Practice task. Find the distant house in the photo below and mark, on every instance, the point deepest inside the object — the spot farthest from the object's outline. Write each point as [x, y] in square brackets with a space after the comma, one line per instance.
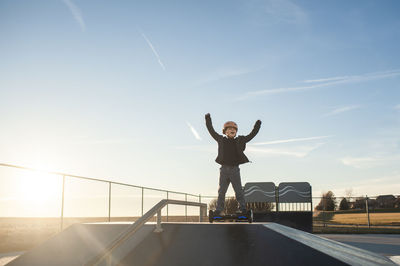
[397, 202]
[386, 201]
[361, 204]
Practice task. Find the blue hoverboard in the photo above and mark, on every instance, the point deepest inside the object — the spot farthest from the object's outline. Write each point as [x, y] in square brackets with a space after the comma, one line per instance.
[248, 217]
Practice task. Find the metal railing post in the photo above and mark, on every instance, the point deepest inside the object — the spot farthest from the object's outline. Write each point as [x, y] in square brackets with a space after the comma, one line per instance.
[277, 198]
[158, 226]
[142, 199]
[109, 201]
[132, 229]
[62, 204]
[201, 211]
[110, 183]
[185, 208]
[367, 208]
[167, 205]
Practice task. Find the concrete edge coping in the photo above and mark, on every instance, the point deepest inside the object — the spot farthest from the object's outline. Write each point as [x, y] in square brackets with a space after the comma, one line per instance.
[395, 259]
[6, 258]
[343, 252]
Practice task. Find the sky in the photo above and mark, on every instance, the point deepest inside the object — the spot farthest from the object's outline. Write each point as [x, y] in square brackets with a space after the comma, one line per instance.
[118, 90]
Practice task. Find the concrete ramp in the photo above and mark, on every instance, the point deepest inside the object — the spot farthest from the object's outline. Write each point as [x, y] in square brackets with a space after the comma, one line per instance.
[244, 244]
[223, 244]
[79, 243]
[198, 244]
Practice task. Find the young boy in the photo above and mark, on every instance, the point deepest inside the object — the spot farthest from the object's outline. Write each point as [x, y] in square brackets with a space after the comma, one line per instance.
[230, 156]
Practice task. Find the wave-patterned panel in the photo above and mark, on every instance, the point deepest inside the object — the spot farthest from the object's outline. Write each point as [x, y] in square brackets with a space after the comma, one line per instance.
[253, 189]
[290, 193]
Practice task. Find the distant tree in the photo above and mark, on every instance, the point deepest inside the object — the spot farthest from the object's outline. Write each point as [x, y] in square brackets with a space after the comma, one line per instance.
[260, 207]
[343, 205]
[327, 203]
[349, 194]
[231, 205]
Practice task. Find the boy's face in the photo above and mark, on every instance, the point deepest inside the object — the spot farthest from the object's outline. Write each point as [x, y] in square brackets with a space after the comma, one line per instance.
[230, 132]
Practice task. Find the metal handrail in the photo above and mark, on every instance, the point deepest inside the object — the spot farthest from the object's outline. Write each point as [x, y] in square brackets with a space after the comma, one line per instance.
[92, 179]
[106, 253]
[110, 183]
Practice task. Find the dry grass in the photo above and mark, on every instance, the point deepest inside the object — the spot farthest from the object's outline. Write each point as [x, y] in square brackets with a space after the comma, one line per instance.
[353, 223]
[20, 234]
[361, 218]
[385, 218]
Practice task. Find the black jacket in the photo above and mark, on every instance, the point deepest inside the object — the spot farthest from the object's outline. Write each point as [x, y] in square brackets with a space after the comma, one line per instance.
[240, 141]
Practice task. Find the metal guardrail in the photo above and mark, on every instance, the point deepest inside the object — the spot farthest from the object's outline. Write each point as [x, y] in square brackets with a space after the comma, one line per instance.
[106, 254]
[333, 210]
[110, 183]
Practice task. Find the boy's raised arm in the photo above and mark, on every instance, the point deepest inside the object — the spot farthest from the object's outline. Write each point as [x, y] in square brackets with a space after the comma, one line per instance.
[254, 132]
[210, 128]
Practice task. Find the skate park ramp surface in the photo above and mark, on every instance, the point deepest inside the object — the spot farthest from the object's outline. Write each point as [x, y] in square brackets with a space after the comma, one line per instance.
[199, 244]
[244, 244]
[79, 243]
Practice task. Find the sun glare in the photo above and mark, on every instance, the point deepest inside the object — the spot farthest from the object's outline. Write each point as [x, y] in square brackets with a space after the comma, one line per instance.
[39, 188]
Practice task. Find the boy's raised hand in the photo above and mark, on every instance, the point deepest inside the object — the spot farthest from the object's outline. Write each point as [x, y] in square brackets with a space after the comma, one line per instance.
[208, 115]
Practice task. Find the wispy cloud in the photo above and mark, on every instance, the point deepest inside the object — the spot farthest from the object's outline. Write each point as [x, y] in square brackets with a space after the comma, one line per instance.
[325, 79]
[225, 73]
[342, 110]
[289, 140]
[285, 11]
[272, 12]
[297, 151]
[327, 82]
[387, 184]
[154, 50]
[76, 12]
[369, 161]
[397, 107]
[195, 133]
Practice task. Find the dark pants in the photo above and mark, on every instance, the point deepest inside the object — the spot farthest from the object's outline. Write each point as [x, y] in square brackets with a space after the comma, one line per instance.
[230, 174]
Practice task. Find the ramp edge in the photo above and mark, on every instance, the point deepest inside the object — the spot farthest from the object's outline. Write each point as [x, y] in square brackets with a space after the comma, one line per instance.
[345, 253]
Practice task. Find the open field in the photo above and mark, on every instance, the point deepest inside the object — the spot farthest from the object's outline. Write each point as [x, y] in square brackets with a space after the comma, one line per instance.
[390, 218]
[375, 218]
[20, 234]
[356, 223]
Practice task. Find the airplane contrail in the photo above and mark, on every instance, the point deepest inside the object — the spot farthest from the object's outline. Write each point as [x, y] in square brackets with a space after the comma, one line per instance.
[76, 12]
[195, 133]
[154, 51]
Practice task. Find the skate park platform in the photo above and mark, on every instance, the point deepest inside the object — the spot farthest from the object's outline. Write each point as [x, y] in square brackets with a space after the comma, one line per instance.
[197, 244]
